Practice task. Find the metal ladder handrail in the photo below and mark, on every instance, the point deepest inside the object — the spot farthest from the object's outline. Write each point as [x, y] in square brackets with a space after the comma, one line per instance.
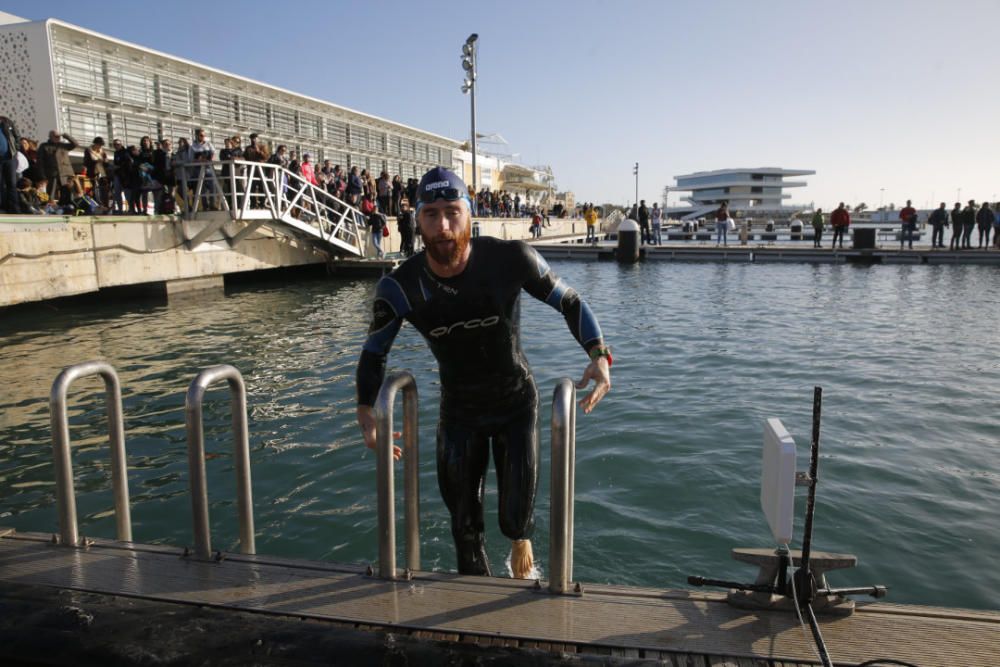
[196, 458]
[563, 486]
[65, 494]
[384, 404]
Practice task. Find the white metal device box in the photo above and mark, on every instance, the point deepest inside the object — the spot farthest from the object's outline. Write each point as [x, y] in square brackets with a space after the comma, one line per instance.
[777, 480]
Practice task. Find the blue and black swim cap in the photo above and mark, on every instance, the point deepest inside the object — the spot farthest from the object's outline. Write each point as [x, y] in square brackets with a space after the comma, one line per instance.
[441, 183]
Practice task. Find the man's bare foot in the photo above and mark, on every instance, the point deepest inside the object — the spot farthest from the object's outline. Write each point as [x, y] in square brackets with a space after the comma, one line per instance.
[522, 560]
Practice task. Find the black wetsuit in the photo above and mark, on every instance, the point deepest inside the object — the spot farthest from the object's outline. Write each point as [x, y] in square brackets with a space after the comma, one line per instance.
[471, 323]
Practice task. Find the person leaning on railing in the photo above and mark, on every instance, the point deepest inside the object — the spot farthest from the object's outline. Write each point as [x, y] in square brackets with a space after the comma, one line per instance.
[183, 158]
[95, 161]
[163, 173]
[255, 152]
[56, 166]
[203, 151]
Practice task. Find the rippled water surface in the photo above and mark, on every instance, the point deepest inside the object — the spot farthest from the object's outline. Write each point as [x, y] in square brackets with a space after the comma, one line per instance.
[668, 465]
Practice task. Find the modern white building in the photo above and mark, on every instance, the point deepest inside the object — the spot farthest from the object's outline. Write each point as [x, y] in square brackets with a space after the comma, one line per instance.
[54, 75]
[57, 76]
[751, 193]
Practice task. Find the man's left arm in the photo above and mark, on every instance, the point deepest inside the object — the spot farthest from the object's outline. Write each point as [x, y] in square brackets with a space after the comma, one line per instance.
[543, 284]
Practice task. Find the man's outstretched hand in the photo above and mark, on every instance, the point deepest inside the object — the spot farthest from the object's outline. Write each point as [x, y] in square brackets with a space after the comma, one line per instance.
[366, 421]
[599, 372]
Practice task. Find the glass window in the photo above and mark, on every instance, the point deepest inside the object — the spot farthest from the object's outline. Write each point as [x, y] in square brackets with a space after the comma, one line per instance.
[129, 85]
[359, 137]
[136, 127]
[219, 106]
[408, 149]
[85, 124]
[79, 74]
[174, 95]
[282, 120]
[336, 132]
[253, 113]
[309, 125]
[174, 130]
[335, 156]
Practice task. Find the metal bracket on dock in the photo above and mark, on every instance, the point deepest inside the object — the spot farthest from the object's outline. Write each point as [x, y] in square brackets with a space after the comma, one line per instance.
[196, 458]
[395, 382]
[65, 494]
[769, 574]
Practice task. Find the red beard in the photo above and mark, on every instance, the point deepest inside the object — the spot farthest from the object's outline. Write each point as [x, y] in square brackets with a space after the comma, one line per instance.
[448, 248]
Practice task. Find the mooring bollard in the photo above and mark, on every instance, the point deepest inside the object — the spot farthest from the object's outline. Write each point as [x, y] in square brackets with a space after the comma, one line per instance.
[628, 242]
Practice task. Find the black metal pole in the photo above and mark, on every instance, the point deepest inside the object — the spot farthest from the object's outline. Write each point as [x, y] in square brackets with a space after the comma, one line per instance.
[824, 657]
[813, 478]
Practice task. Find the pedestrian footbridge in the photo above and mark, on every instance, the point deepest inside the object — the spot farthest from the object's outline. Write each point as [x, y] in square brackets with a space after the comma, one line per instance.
[266, 195]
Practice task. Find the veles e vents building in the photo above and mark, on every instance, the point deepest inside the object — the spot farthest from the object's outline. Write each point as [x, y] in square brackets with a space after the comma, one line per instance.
[54, 75]
[750, 192]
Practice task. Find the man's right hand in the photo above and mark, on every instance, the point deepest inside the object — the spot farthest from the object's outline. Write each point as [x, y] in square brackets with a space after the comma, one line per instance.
[366, 422]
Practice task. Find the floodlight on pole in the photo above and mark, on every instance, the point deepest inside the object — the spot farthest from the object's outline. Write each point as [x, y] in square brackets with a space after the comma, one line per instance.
[469, 86]
[635, 172]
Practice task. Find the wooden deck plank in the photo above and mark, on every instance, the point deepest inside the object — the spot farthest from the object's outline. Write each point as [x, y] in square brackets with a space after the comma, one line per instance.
[477, 608]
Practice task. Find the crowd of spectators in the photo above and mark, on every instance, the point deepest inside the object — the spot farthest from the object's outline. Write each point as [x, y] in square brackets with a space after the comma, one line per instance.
[120, 179]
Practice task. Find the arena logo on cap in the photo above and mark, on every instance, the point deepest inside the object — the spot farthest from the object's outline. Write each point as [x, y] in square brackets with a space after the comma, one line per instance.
[436, 185]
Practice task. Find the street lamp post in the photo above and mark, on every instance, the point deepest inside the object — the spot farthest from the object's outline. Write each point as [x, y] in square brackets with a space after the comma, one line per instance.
[635, 172]
[469, 86]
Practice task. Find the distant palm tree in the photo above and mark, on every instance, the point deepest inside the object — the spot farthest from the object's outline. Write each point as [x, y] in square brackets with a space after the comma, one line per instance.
[860, 208]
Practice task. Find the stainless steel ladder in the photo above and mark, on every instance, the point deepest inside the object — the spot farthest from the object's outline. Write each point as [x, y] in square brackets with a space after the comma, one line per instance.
[65, 492]
[562, 486]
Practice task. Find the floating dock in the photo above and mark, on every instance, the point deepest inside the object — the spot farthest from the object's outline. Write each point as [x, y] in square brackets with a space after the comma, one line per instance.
[124, 603]
[688, 251]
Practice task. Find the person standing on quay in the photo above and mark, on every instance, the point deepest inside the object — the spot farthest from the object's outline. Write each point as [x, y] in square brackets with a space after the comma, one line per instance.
[996, 225]
[9, 142]
[938, 220]
[376, 224]
[968, 223]
[817, 223]
[590, 215]
[722, 223]
[463, 295]
[644, 223]
[406, 227]
[908, 218]
[956, 227]
[985, 220]
[657, 217]
[53, 156]
[840, 220]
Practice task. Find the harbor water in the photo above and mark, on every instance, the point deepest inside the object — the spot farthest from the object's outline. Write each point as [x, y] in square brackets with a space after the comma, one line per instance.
[668, 465]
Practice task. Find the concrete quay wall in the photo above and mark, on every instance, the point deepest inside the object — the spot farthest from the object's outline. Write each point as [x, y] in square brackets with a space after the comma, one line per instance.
[53, 257]
[70, 256]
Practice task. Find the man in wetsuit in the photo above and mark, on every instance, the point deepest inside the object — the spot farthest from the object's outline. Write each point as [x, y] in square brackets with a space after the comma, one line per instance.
[462, 295]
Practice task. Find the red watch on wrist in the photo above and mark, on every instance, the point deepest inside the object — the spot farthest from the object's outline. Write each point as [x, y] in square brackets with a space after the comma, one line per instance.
[599, 351]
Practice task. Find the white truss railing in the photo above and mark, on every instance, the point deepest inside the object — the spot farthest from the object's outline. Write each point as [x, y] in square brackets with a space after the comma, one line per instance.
[260, 193]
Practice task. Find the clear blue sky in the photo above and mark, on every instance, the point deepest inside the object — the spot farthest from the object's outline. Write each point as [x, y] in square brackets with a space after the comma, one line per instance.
[901, 95]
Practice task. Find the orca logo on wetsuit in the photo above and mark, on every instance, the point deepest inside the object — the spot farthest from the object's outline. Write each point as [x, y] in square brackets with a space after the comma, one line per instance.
[476, 323]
